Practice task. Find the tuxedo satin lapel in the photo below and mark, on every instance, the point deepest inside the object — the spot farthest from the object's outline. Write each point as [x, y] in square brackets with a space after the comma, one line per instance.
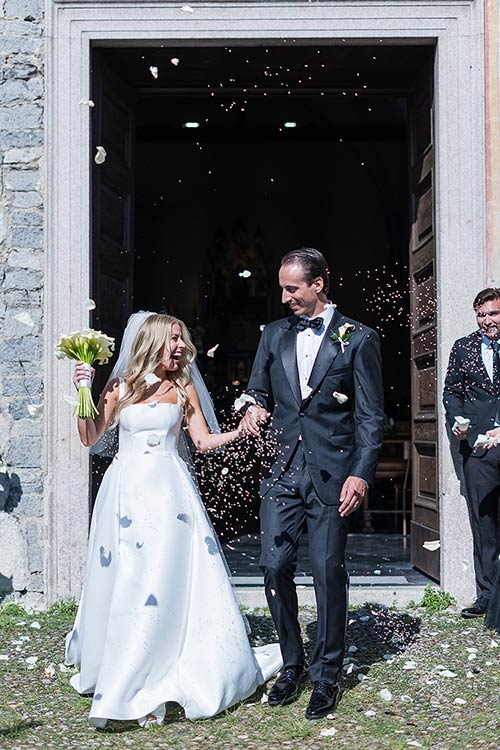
[328, 351]
[288, 347]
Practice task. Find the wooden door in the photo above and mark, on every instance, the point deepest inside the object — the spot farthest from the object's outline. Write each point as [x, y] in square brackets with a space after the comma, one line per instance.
[425, 510]
[112, 260]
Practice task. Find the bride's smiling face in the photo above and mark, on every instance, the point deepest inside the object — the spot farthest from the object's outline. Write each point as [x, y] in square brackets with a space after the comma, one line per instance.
[172, 352]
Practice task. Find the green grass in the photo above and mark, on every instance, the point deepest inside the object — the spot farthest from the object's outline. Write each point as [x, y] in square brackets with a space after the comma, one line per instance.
[41, 712]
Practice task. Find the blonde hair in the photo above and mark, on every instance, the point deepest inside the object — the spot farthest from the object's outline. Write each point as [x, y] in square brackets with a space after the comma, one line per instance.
[146, 355]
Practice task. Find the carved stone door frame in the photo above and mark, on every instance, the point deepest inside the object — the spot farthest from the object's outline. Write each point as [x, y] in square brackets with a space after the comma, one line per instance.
[72, 27]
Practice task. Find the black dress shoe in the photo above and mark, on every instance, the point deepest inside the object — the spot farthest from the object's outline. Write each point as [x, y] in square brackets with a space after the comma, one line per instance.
[478, 609]
[286, 688]
[324, 699]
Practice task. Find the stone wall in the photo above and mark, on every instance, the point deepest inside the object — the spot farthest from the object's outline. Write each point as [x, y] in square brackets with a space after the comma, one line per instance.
[21, 299]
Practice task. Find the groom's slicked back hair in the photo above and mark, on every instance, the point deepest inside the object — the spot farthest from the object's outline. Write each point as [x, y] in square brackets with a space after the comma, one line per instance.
[313, 263]
[486, 295]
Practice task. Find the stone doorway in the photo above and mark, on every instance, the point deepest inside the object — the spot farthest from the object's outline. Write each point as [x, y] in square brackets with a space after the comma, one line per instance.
[456, 31]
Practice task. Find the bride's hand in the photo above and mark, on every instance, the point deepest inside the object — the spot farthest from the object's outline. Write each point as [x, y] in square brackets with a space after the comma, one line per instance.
[82, 373]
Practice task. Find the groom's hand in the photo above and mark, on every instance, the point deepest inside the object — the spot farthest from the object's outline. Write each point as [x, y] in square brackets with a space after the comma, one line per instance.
[352, 495]
[254, 417]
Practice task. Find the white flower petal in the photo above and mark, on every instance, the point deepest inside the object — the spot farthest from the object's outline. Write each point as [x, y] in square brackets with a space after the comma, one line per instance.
[32, 660]
[414, 743]
[262, 328]
[4, 657]
[35, 410]
[71, 401]
[175, 61]
[240, 402]
[100, 156]
[24, 318]
[493, 644]
[432, 546]
[50, 671]
[406, 699]
[341, 397]
[187, 9]
[460, 701]
[151, 378]
[86, 102]
[447, 673]
[385, 694]
[153, 70]
[328, 732]
[410, 665]
[362, 677]
[35, 625]
[211, 352]
[352, 649]
[89, 304]
[370, 713]
[245, 274]
[264, 698]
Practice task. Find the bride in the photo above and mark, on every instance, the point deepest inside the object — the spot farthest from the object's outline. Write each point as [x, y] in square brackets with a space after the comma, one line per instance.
[158, 620]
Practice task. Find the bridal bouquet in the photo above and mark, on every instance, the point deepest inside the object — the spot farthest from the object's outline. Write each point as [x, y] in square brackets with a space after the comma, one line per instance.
[86, 346]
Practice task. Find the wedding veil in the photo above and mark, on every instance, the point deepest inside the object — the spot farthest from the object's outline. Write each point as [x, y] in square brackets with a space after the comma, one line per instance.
[107, 446]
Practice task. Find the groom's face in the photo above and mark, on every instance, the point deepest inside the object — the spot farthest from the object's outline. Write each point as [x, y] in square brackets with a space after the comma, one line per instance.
[488, 319]
[301, 297]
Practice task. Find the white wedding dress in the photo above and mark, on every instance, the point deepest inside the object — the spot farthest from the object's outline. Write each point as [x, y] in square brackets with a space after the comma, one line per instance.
[158, 620]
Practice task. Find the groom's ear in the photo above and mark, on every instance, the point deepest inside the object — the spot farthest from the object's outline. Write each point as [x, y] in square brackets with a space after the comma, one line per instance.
[318, 285]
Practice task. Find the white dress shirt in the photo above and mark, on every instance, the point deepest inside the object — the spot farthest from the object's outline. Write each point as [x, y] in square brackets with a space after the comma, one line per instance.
[487, 355]
[308, 344]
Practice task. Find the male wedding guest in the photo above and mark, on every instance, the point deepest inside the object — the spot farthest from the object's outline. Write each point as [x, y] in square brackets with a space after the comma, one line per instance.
[472, 402]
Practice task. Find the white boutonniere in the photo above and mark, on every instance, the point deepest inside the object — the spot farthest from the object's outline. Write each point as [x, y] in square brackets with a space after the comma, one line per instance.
[343, 335]
[341, 397]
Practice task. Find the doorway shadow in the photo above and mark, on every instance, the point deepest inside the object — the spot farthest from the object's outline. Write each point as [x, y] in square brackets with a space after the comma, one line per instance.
[373, 632]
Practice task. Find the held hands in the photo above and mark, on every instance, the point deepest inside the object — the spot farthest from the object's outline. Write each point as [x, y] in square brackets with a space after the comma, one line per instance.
[352, 495]
[254, 417]
[82, 373]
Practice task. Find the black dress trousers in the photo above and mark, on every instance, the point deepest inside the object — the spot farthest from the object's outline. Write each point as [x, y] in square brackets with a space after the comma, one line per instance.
[291, 504]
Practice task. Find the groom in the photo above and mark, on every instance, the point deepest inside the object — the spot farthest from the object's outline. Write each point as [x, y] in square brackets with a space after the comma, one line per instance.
[317, 374]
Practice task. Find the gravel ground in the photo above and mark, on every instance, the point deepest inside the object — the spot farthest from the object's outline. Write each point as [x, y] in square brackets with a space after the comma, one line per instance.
[411, 679]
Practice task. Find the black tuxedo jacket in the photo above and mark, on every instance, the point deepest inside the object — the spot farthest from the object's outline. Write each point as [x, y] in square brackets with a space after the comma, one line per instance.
[339, 440]
[469, 392]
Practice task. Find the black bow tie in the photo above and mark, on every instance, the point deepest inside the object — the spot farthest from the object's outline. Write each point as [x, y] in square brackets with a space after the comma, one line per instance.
[303, 323]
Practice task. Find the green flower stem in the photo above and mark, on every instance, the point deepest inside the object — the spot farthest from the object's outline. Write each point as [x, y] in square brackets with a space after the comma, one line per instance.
[86, 408]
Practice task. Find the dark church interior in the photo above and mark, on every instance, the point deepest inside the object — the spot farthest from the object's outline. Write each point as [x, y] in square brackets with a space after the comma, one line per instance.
[242, 154]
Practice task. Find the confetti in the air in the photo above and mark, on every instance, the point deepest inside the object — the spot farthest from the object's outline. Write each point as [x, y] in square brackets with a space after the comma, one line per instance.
[211, 352]
[86, 102]
[35, 410]
[89, 304]
[100, 156]
[153, 70]
[24, 318]
[151, 378]
[187, 9]
[245, 274]
[432, 546]
[175, 61]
